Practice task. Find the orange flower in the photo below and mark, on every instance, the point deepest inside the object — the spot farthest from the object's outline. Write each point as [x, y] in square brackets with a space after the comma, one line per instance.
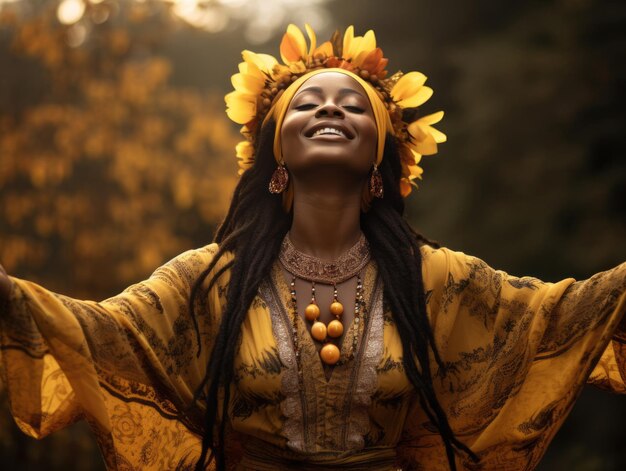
[375, 63]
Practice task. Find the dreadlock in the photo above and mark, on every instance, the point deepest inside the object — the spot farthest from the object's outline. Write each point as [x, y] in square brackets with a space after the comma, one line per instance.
[253, 231]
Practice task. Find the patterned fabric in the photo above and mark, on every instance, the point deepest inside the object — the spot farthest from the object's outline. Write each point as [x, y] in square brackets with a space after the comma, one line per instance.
[516, 351]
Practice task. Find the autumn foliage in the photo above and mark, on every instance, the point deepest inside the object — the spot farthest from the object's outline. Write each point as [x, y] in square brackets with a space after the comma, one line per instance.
[111, 170]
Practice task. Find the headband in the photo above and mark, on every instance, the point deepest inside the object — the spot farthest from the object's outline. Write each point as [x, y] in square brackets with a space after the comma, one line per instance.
[264, 88]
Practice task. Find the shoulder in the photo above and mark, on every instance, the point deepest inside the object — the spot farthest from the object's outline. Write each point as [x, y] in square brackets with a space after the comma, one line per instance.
[438, 264]
[201, 255]
[191, 263]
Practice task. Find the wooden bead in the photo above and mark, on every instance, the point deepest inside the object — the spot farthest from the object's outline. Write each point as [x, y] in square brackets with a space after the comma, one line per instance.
[311, 312]
[330, 354]
[335, 328]
[318, 331]
[336, 308]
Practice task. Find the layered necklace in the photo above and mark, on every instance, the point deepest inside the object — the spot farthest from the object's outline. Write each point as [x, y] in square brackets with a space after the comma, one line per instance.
[315, 270]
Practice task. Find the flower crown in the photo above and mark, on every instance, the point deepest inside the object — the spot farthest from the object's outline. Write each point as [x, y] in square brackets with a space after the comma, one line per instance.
[261, 81]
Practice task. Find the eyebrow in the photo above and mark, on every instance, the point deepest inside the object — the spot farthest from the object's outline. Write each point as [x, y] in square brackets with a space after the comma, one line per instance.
[343, 91]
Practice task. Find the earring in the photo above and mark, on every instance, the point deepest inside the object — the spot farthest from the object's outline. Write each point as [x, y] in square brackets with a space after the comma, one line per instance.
[280, 179]
[376, 183]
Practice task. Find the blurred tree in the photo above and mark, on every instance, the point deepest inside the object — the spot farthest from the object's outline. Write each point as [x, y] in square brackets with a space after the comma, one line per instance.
[107, 170]
[111, 167]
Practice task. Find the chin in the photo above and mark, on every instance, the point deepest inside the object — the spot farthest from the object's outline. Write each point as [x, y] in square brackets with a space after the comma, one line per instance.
[334, 160]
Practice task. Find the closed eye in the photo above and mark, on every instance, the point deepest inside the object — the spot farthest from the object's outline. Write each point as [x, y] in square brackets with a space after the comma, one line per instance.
[354, 109]
[305, 106]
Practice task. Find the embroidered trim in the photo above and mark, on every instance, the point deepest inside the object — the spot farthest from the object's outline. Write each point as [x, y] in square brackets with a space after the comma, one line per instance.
[321, 271]
[294, 404]
[359, 397]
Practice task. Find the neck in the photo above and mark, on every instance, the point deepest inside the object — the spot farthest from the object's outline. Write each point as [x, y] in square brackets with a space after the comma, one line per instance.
[325, 225]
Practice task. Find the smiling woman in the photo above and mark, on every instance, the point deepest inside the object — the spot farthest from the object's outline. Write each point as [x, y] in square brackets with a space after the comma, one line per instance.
[319, 330]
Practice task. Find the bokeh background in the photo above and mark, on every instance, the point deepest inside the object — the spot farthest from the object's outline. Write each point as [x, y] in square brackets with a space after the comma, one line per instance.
[116, 155]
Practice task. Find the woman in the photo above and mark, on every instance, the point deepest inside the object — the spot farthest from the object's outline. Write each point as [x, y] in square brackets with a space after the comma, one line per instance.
[319, 331]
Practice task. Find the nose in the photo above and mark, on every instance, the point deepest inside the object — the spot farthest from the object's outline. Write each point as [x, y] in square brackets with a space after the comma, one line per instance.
[329, 109]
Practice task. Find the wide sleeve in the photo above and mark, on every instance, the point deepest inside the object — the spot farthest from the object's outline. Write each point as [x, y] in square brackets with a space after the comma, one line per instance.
[516, 354]
[127, 365]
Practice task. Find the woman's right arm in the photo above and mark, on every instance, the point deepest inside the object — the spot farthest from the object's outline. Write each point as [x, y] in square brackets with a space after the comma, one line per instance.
[65, 359]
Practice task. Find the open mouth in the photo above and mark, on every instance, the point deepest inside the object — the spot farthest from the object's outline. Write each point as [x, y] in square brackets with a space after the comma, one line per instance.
[329, 131]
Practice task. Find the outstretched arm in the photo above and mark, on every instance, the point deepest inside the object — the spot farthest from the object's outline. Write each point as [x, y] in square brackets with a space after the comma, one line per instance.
[516, 352]
[65, 359]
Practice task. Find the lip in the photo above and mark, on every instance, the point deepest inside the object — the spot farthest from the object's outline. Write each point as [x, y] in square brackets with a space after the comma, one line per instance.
[329, 124]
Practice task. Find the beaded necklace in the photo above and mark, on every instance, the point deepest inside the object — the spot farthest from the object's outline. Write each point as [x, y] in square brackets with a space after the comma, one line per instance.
[312, 269]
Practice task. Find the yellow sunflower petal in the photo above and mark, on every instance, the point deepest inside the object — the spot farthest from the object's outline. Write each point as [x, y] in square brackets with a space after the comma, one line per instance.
[407, 87]
[247, 83]
[355, 45]
[431, 118]
[418, 98]
[438, 135]
[416, 156]
[360, 47]
[416, 172]
[312, 38]
[369, 41]
[240, 107]
[348, 36]
[417, 131]
[264, 62]
[293, 45]
[428, 146]
[325, 50]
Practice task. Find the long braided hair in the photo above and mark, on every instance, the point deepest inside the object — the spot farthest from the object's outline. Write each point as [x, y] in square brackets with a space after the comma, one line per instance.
[253, 231]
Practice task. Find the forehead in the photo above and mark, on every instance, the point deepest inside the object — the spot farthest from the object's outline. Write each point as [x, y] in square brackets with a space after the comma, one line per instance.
[331, 82]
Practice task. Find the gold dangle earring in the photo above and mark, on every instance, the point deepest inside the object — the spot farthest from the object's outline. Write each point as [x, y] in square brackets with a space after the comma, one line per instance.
[280, 179]
[376, 183]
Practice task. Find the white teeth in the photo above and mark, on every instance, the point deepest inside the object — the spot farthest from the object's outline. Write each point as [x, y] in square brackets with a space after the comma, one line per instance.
[328, 131]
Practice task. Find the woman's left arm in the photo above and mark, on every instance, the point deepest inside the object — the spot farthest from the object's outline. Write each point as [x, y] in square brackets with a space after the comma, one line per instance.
[591, 301]
[516, 352]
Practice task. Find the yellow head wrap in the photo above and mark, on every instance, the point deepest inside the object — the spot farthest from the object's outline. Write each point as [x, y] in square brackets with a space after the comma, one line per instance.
[381, 115]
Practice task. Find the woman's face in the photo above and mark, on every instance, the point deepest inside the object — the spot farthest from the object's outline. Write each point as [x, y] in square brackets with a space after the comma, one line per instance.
[329, 124]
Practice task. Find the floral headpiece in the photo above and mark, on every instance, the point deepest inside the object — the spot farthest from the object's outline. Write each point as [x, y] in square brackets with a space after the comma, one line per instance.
[262, 80]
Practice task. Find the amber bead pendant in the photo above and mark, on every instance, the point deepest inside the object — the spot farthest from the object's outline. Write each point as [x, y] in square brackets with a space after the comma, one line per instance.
[330, 353]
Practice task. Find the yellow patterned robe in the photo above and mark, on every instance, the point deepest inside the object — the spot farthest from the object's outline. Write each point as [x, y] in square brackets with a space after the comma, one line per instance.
[517, 352]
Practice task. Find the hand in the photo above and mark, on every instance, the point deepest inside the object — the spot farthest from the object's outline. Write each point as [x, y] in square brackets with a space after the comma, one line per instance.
[5, 285]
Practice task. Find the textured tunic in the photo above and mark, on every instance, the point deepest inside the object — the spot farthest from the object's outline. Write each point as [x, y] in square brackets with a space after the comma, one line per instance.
[516, 351]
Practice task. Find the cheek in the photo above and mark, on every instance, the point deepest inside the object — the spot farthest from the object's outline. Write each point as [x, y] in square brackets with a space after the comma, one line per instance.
[289, 137]
[370, 137]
